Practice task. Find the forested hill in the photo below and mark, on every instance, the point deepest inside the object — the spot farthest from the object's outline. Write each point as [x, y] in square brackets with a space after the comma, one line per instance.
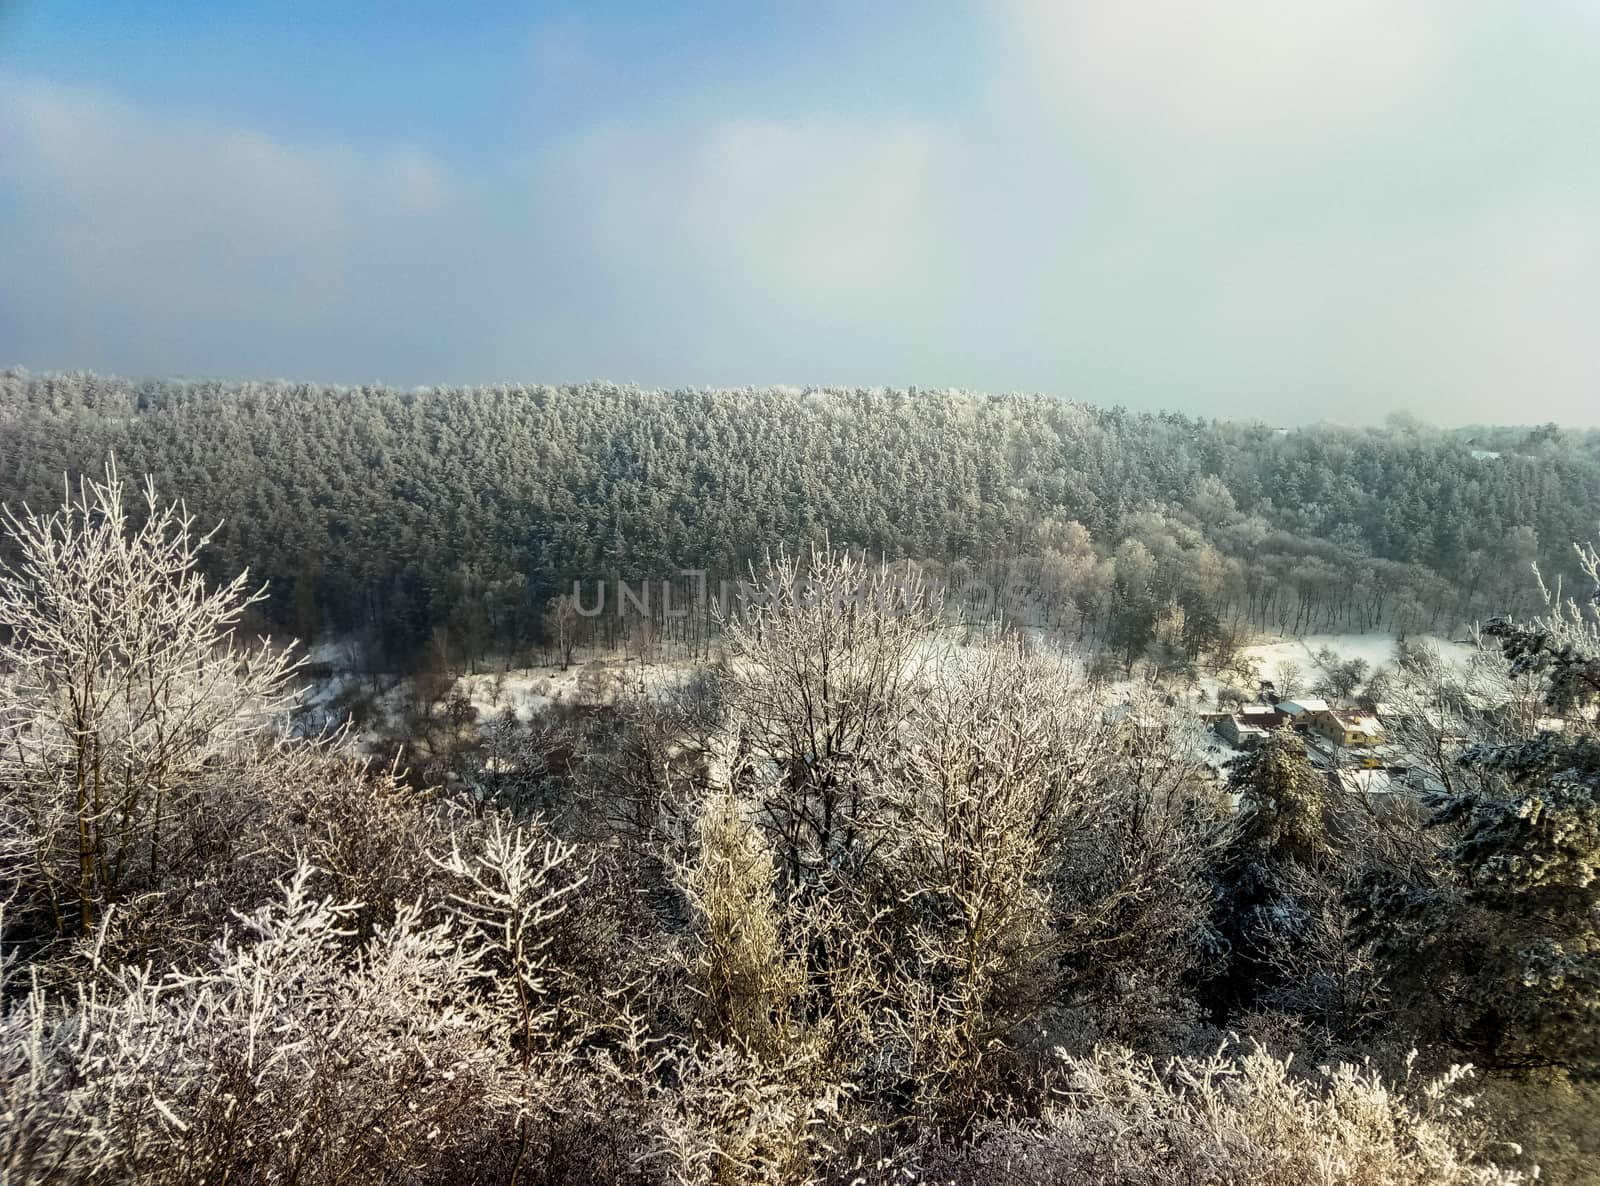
[395, 513]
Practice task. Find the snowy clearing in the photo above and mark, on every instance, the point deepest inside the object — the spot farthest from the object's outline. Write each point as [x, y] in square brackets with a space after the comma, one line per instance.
[1376, 649]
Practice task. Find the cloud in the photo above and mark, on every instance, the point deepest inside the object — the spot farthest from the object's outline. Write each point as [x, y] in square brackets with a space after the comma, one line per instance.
[818, 206]
[1298, 211]
[738, 250]
[169, 226]
[1228, 70]
[1280, 210]
[411, 179]
[623, 249]
[807, 206]
[1489, 317]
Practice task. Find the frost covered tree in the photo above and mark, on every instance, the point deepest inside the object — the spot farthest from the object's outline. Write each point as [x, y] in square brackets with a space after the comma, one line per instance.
[743, 973]
[1504, 931]
[1131, 884]
[509, 884]
[280, 1059]
[1562, 644]
[561, 622]
[1285, 836]
[997, 766]
[1284, 803]
[998, 844]
[123, 698]
[824, 664]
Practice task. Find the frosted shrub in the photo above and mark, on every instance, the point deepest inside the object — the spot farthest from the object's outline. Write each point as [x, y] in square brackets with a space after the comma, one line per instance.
[510, 884]
[289, 1058]
[1238, 1118]
[734, 1120]
[739, 970]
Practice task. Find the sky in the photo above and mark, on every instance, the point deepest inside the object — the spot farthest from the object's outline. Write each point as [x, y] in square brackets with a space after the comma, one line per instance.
[1262, 209]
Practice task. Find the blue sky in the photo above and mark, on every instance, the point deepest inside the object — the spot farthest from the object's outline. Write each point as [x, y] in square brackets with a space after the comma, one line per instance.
[1232, 208]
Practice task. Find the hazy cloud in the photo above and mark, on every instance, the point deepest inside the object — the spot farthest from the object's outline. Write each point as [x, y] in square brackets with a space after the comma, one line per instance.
[1228, 70]
[1242, 208]
[155, 233]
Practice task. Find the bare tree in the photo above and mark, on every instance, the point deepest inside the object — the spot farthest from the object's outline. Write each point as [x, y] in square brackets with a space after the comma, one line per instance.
[823, 669]
[998, 765]
[561, 621]
[122, 689]
[1327, 969]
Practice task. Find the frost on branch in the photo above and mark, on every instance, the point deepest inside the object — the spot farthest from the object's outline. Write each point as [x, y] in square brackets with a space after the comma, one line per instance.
[824, 666]
[1240, 1117]
[508, 888]
[285, 1058]
[123, 694]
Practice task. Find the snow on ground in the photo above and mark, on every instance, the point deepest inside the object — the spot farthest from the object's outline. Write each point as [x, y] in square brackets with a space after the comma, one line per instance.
[334, 653]
[1376, 649]
[531, 690]
[527, 691]
[1264, 658]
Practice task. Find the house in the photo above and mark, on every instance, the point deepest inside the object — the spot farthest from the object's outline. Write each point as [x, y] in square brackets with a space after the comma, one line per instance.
[1335, 755]
[1345, 726]
[1249, 726]
[1266, 716]
[1237, 730]
[1297, 708]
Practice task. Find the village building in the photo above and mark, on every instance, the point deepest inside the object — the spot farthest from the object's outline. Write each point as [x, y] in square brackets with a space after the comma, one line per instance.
[1346, 726]
[1263, 716]
[1250, 726]
[1239, 732]
[1297, 709]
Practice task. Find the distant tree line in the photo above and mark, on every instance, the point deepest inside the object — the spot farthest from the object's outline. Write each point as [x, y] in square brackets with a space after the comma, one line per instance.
[448, 521]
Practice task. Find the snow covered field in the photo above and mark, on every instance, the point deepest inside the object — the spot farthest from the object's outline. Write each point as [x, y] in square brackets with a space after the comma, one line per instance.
[1376, 649]
[1264, 659]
